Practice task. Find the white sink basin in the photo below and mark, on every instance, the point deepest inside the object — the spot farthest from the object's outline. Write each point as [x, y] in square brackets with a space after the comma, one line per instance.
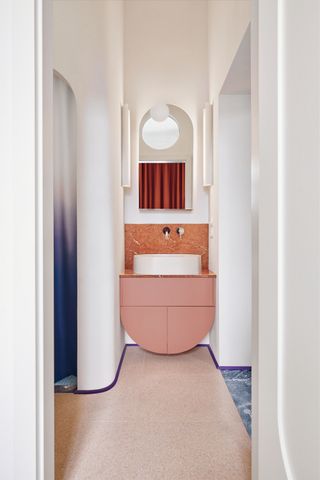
[167, 264]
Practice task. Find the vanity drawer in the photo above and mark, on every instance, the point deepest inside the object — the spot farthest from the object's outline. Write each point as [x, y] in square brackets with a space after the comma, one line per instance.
[176, 291]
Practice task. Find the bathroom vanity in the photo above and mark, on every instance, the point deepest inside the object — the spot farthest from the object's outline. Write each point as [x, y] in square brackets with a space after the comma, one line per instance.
[167, 314]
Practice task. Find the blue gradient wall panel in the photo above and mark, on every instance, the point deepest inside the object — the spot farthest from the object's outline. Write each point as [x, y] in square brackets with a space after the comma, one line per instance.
[65, 230]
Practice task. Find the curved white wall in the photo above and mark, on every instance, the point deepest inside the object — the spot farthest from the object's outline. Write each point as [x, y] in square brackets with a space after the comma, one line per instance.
[88, 53]
[299, 237]
[286, 93]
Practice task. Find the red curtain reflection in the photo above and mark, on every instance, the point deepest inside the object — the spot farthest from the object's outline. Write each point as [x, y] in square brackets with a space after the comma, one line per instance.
[162, 185]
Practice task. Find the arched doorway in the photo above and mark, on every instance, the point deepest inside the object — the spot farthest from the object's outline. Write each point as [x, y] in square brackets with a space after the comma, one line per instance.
[65, 234]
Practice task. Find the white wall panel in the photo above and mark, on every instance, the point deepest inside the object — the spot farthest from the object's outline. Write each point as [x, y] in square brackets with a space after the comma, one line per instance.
[234, 274]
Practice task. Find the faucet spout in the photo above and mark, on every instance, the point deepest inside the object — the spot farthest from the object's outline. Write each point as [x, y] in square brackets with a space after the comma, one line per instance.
[166, 232]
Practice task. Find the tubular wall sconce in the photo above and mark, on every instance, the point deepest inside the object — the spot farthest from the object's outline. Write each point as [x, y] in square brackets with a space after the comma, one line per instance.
[208, 145]
[126, 148]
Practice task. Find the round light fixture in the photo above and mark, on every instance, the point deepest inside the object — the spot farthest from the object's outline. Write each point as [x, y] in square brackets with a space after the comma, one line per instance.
[159, 112]
[160, 135]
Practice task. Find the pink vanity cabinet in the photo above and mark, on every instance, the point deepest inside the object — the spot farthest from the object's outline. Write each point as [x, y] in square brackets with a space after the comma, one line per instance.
[167, 314]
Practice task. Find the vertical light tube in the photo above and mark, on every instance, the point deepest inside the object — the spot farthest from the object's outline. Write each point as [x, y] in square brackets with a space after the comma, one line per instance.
[126, 148]
[207, 145]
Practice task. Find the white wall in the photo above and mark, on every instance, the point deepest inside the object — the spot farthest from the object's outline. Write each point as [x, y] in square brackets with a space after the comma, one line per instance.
[286, 94]
[7, 251]
[165, 60]
[88, 52]
[299, 237]
[227, 24]
[234, 233]
[26, 293]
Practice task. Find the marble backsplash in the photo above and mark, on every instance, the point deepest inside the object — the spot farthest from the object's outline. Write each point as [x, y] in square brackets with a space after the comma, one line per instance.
[148, 238]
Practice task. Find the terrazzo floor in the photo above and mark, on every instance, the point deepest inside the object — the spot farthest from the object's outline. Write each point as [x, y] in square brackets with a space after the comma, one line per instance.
[168, 418]
[237, 381]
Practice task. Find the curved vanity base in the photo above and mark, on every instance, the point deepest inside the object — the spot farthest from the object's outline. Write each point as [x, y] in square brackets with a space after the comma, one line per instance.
[167, 330]
[167, 315]
[187, 326]
[146, 326]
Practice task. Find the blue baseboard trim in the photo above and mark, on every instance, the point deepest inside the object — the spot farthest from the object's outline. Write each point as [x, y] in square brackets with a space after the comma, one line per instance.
[210, 352]
[127, 345]
[105, 389]
[220, 367]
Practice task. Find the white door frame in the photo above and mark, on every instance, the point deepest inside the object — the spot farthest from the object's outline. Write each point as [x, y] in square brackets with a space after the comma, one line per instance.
[27, 240]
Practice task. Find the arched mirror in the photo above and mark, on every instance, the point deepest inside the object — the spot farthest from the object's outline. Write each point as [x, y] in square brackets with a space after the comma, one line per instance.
[165, 159]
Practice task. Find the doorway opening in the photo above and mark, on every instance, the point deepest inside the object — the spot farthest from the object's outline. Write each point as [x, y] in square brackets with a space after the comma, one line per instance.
[235, 230]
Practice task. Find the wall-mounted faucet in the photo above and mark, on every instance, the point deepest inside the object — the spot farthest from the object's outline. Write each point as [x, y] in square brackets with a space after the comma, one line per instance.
[166, 232]
[180, 232]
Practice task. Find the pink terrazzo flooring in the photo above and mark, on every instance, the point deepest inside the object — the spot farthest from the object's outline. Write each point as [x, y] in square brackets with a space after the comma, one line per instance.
[167, 418]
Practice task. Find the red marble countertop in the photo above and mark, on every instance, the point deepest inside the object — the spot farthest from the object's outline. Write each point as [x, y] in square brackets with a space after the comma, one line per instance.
[130, 274]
